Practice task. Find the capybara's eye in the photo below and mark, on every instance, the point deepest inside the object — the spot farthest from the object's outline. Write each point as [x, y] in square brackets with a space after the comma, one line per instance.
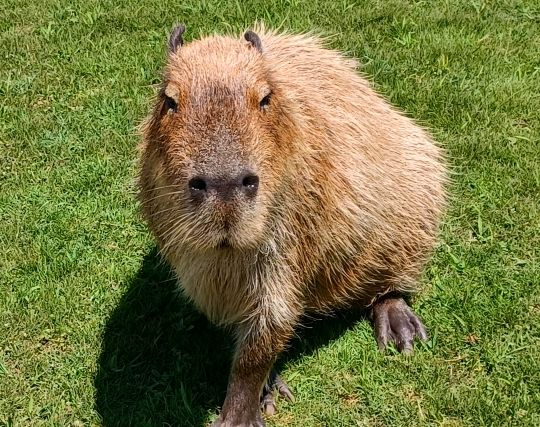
[265, 102]
[170, 104]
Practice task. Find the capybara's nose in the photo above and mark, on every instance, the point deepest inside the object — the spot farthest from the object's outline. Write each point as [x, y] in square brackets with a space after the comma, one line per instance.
[246, 184]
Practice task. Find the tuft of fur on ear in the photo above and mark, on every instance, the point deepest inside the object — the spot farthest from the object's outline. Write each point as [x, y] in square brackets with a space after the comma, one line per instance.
[254, 39]
[175, 39]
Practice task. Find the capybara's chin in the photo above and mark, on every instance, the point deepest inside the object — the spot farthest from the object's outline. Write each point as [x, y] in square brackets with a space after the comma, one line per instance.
[217, 226]
[235, 236]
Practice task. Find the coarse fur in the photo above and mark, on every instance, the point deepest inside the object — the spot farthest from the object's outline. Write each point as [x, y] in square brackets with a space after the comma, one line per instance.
[350, 197]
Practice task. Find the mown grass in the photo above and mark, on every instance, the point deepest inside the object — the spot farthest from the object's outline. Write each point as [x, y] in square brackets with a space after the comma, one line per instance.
[90, 330]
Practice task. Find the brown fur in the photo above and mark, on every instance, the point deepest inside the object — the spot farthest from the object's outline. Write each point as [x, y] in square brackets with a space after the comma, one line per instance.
[350, 197]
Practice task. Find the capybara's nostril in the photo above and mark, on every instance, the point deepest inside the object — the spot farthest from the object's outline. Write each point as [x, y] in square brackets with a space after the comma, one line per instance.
[250, 182]
[197, 184]
[226, 187]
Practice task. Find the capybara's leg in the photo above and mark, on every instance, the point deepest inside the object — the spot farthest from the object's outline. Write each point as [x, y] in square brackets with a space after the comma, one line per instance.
[274, 383]
[394, 321]
[258, 345]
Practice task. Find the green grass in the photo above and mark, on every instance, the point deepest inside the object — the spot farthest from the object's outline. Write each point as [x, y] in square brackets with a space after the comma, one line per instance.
[90, 330]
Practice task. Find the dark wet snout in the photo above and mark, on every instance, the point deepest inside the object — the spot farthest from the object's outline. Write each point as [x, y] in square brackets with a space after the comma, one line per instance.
[244, 185]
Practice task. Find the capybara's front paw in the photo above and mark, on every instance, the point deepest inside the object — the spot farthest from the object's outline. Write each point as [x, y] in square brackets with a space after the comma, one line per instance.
[274, 384]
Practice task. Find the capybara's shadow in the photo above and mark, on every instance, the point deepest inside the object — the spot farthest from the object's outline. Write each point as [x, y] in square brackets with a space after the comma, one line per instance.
[162, 363]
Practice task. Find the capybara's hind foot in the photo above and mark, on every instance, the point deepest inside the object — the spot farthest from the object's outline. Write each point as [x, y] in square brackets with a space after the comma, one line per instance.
[394, 321]
[273, 384]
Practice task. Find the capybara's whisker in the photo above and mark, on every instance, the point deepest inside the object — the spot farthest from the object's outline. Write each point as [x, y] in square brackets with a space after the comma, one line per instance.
[172, 193]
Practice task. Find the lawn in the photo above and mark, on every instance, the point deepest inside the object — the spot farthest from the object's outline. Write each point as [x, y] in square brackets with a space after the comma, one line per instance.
[92, 331]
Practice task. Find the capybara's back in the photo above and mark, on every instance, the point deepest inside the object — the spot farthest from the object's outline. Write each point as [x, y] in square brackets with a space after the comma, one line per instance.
[367, 195]
[277, 182]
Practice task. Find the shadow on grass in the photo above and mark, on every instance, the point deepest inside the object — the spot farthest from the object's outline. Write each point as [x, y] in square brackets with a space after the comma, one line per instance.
[162, 363]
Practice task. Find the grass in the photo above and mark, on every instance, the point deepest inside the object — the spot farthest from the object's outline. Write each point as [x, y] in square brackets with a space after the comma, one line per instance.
[90, 330]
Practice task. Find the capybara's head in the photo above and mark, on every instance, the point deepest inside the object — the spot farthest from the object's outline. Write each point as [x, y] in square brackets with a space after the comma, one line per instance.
[219, 133]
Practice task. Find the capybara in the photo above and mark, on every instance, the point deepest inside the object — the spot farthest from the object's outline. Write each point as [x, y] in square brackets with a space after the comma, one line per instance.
[277, 183]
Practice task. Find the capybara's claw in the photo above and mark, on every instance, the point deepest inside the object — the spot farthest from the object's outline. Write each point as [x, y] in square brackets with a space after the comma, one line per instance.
[394, 321]
[273, 384]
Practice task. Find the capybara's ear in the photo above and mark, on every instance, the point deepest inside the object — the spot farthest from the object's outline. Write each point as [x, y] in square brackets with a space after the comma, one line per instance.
[254, 39]
[175, 39]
